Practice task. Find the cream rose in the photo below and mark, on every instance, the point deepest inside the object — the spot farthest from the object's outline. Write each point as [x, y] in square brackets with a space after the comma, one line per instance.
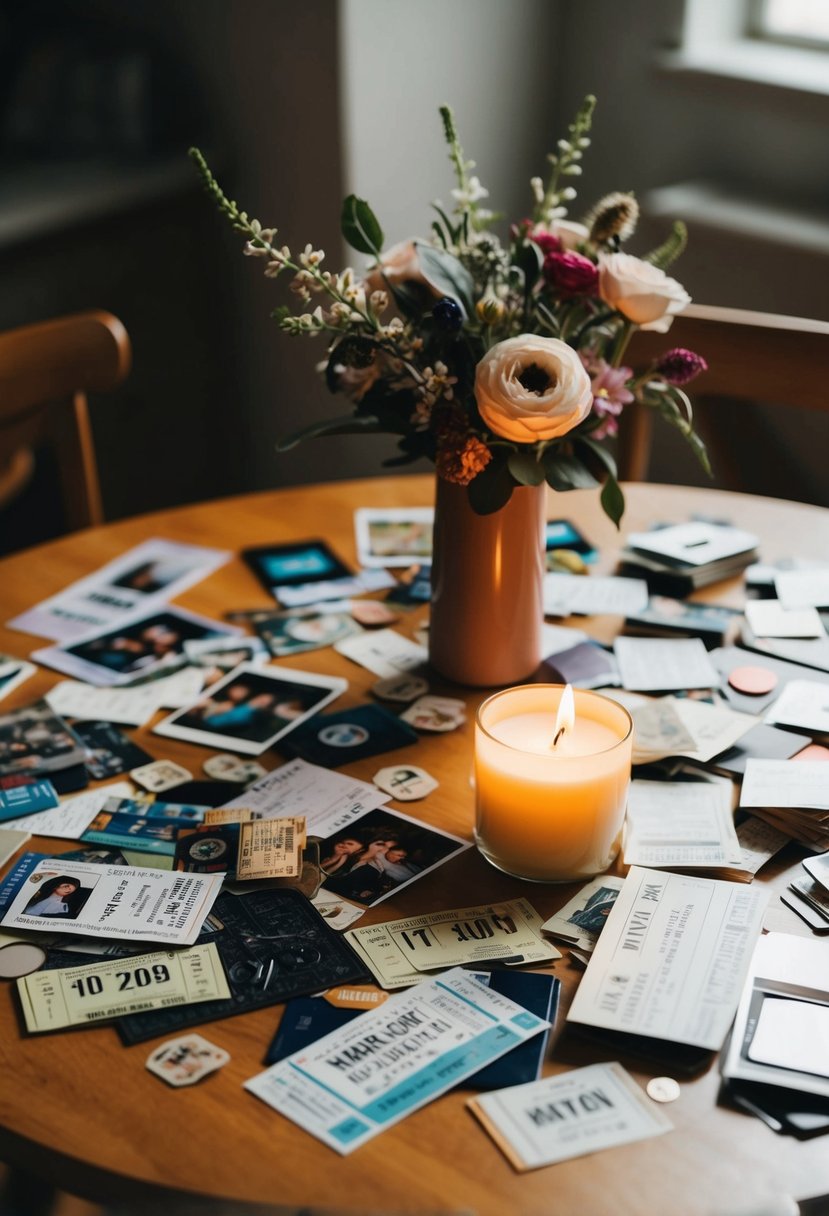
[532, 387]
[641, 292]
[398, 265]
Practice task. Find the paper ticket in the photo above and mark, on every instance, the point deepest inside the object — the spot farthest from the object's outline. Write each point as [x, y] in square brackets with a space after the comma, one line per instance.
[227, 814]
[270, 848]
[398, 951]
[75, 996]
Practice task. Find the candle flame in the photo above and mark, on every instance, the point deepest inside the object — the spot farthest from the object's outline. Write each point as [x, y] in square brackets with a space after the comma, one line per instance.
[566, 716]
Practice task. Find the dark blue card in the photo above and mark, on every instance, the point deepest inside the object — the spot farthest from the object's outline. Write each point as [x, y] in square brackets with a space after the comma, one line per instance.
[27, 799]
[349, 734]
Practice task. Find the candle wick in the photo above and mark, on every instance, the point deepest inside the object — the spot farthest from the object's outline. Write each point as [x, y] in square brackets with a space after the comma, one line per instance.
[559, 733]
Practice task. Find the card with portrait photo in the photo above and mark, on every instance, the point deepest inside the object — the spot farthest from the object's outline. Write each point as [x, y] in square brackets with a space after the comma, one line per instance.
[252, 707]
[141, 646]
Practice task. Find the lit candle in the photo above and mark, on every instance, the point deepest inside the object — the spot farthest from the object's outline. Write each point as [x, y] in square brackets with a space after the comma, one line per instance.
[552, 771]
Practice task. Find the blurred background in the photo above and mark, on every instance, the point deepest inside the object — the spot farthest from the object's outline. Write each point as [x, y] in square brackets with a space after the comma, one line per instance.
[713, 111]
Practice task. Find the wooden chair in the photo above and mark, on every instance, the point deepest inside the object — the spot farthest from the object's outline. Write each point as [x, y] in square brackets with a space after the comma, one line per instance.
[752, 357]
[45, 373]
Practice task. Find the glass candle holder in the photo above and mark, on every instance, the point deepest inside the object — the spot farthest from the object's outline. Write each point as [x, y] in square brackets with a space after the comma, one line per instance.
[545, 812]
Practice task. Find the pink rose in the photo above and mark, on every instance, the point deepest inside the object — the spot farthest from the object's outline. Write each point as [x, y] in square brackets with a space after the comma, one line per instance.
[639, 291]
[532, 387]
[571, 273]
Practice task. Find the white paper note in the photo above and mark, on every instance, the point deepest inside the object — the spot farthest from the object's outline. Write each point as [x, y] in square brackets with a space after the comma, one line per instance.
[126, 706]
[383, 651]
[671, 959]
[578, 1112]
[71, 819]
[803, 703]
[769, 619]
[693, 544]
[803, 588]
[779, 783]
[592, 595]
[680, 824]
[328, 800]
[647, 664]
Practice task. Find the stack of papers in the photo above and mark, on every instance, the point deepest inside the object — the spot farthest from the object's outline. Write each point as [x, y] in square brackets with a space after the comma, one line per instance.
[791, 795]
[681, 825]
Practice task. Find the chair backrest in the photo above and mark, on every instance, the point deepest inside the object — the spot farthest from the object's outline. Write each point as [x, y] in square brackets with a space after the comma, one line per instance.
[45, 372]
[752, 357]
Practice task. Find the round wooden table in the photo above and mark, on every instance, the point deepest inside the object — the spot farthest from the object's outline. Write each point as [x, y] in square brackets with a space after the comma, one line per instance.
[80, 1109]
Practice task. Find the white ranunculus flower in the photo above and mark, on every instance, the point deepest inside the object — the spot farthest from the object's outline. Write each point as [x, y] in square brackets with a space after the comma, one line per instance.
[639, 291]
[532, 387]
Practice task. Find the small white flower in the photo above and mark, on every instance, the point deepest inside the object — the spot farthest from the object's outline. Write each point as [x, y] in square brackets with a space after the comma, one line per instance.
[471, 194]
[255, 251]
[379, 301]
[537, 186]
[310, 258]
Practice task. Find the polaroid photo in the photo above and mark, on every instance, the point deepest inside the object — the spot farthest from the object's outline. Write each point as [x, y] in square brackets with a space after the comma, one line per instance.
[141, 646]
[252, 707]
[13, 672]
[297, 564]
[394, 536]
[311, 628]
[34, 740]
[148, 575]
[380, 853]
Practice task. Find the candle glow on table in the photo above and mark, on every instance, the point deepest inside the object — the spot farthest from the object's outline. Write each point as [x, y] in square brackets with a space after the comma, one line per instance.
[551, 812]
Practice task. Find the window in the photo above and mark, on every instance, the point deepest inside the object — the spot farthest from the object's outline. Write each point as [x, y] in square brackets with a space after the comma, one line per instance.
[803, 22]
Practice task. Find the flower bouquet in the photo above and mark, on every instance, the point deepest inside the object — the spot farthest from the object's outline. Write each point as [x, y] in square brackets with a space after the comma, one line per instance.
[502, 361]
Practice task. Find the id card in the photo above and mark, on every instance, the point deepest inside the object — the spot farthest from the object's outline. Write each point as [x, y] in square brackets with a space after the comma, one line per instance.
[75, 996]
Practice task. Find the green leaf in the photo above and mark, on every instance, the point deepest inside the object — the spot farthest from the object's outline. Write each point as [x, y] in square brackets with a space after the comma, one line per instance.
[279, 314]
[360, 227]
[446, 274]
[567, 472]
[600, 453]
[613, 500]
[491, 489]
[525, 467]
[344, 425]
[670, 249]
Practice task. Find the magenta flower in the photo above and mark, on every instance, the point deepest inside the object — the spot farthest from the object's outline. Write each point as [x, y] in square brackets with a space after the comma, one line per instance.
[610, 394]
[546, 242]
[679, 366]
[572, 274]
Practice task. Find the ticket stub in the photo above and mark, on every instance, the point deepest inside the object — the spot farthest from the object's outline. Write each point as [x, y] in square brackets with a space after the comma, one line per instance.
[270, 848]
[76, 996]
[399, 951]
[226, 814]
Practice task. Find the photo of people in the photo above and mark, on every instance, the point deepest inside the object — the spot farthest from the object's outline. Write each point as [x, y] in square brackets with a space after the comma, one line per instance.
[252, 707]
[379, 853]
[135, 649]
[61, 897]
[35, 740]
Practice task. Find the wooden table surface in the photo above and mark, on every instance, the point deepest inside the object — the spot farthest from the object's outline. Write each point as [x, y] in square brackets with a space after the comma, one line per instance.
[81, 1109]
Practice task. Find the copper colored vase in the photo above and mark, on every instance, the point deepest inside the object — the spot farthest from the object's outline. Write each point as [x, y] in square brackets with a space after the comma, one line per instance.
[487, 587]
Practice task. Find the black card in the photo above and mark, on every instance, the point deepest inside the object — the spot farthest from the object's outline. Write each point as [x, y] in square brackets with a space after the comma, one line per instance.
[349, 734]
[304, 561]
[274, 945]
[108, 750]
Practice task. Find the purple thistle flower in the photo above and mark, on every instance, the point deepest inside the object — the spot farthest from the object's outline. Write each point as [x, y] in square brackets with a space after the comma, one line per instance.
[679, 366]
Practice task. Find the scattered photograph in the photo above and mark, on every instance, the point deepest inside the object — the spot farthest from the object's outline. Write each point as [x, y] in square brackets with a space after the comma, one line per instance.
[394, 536]
[380, 853]
[35, 740]
[143, 645]
[61, 896]
[301, 629]
[252, 707]
[143, 827]
[154, 571]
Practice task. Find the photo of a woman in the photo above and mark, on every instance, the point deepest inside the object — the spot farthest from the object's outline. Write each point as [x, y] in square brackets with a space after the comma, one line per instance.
[62, 896]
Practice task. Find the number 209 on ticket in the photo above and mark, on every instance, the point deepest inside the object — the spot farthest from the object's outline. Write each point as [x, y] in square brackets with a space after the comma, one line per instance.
[74, 996]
